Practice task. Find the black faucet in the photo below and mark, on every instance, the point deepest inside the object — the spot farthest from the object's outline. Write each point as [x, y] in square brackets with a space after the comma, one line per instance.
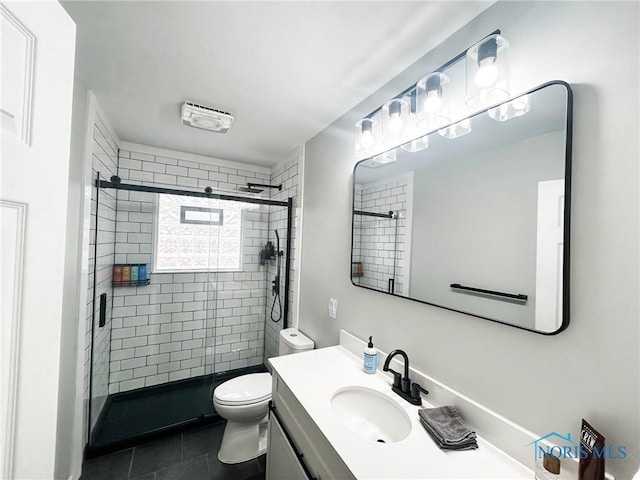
[402, 385]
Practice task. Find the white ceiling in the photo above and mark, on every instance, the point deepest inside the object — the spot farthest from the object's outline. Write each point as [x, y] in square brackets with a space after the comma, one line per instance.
[285, 69]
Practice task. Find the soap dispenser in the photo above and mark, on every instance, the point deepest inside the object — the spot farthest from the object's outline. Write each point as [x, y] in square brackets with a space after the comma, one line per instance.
[370, 358]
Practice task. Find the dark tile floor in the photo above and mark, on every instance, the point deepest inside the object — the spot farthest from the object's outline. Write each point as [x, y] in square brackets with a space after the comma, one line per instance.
[190, 455]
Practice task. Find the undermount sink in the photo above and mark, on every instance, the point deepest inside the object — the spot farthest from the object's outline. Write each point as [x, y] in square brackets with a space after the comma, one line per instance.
[371, 414]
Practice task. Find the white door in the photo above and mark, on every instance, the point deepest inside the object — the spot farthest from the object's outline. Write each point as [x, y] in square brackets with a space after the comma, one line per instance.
[38, 47]
[549, 255]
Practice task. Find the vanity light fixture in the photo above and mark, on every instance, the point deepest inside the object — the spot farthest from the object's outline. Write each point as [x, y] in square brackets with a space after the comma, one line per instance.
[394, 112]
[433, 98]
[386, 157]
[515, 108]
[394, 121]
[431, 104]
[457, 129]
[416, 145]
[366, 132]
[487, 72]
[432, 87]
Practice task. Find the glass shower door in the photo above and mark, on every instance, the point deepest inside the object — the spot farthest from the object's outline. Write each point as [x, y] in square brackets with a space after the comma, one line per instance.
[236, 303]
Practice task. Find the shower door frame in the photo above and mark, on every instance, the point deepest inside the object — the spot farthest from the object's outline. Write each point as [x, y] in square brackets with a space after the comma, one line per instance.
[173, 191]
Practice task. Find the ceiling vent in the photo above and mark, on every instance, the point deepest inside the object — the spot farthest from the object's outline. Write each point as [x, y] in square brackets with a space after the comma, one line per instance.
[206, 118]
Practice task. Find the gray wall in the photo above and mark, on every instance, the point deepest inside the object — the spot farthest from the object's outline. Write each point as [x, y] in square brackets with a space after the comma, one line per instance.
[476, 224]
[543, 383]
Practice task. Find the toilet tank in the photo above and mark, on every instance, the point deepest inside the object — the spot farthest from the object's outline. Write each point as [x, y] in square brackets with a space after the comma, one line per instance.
[293, 341]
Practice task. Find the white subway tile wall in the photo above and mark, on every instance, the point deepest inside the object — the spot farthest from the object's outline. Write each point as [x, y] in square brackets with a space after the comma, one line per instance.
[287, 173]
[380, 243]
[104, 161]
[184, 325]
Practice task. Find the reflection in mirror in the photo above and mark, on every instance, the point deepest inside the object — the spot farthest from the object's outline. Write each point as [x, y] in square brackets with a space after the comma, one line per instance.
[476, 223]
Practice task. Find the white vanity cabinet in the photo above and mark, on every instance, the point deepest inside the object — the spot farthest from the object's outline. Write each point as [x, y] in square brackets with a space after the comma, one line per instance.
[297, 448]
[312, 438]
[282, 460]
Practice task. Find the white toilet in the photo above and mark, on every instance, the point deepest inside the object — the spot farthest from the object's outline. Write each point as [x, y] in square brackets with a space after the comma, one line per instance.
[244, 402]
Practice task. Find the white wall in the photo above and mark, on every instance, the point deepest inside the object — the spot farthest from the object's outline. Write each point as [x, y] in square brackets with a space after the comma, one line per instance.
[288, 173]
[69, 446]
[490, 195]
[544, 383]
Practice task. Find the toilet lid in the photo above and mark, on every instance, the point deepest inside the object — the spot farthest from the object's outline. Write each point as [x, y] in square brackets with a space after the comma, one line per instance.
[243, 390]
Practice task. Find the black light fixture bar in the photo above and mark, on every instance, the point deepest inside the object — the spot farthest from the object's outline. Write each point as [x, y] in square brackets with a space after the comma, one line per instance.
[517, 297]
[188, 193]
[440, 69]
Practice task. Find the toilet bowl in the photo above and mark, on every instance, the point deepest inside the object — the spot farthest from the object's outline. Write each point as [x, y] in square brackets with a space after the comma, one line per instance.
[244, 402]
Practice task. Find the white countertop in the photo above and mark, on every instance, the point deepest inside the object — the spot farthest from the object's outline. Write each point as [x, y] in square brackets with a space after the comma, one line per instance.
[314, 376]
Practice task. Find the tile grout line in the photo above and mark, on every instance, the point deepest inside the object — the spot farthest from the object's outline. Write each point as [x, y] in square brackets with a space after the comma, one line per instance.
[133, 452]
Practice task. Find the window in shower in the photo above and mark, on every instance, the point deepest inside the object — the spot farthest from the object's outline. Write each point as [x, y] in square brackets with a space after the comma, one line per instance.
[201, 215]
[197, 234]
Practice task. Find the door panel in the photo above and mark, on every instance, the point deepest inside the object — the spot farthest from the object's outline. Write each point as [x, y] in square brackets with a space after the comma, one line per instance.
[38, 47]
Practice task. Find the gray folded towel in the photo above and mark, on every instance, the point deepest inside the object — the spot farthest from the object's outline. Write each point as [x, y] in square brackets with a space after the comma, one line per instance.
[447, 428]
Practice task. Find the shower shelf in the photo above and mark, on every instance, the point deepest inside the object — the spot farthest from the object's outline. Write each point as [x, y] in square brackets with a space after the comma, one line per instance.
[131, 284]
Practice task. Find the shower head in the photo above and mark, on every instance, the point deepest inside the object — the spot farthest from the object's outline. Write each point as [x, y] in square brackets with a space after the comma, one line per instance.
[257, 187]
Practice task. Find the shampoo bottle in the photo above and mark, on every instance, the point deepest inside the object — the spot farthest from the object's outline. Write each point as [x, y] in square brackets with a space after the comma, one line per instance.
[370, 358]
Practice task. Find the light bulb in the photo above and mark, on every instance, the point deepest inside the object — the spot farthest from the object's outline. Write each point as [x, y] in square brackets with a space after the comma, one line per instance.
[366, 134]
[487, 73]
[433, 102]
[395, 119]
[366, 140]
[395, 123]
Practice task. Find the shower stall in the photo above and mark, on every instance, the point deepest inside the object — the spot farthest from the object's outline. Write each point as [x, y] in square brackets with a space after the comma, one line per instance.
[381, 235]
[184, 282]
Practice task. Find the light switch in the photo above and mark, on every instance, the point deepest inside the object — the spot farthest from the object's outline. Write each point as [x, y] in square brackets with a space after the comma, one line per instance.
[333, 307]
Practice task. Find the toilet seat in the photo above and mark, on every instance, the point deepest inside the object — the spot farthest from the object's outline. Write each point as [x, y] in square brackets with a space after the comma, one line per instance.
[244, 390]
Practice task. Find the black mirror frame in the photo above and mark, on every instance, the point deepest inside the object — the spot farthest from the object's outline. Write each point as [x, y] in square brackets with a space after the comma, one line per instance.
[566, 226]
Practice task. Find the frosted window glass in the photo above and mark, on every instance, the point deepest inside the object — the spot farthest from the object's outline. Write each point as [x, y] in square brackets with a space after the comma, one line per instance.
[198, 234]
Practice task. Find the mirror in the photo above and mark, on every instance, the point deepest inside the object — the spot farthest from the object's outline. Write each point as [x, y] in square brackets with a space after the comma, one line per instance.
[479, 223]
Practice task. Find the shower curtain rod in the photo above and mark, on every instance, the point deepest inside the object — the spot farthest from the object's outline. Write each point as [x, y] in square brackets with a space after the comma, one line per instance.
[187, 193]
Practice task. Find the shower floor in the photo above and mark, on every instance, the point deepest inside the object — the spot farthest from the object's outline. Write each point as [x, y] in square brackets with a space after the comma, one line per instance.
[129, 418]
